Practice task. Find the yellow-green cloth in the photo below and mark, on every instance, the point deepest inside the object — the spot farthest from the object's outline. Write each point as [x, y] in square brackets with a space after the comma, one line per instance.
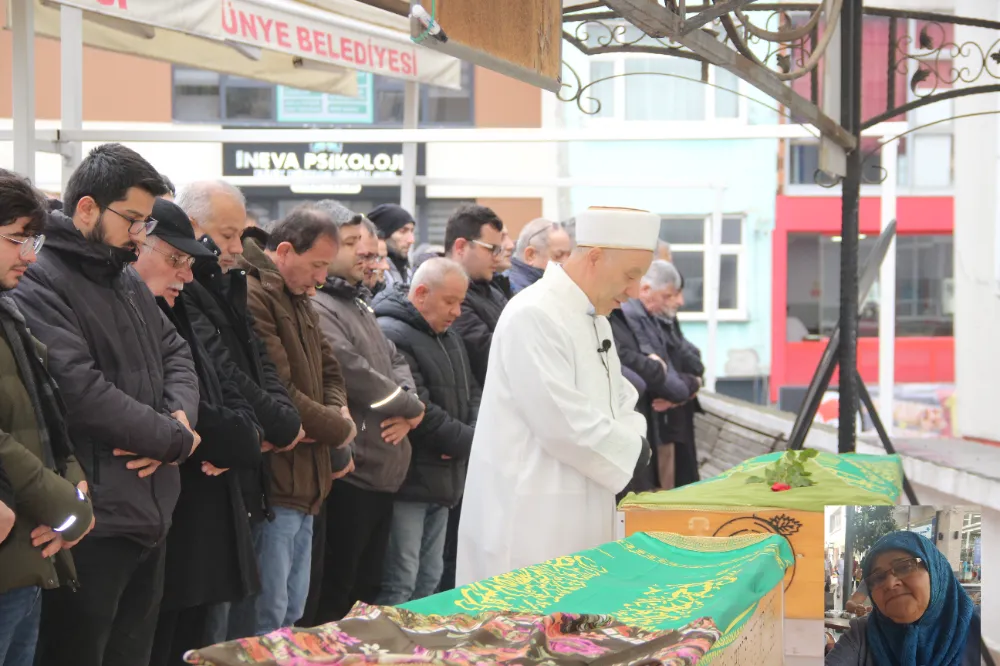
[849, 478]
[651, 581]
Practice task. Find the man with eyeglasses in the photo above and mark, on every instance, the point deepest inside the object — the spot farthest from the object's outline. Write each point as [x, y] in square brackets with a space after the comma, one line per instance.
[382, 398]
[474, 238]
[395, 226]
[45, 486]
[540, 242]
[217, 303]
[131, 390]
[210, 525]
[375, 279]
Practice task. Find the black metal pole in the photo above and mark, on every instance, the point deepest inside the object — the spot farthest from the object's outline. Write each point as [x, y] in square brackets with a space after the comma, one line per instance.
[850, 90]
[866, 399]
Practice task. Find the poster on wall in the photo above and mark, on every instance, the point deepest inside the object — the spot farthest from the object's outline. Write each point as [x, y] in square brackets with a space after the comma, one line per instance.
[919, 410]
[306, 106]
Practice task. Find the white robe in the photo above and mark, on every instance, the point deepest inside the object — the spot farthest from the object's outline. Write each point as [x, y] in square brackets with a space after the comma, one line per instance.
[557, 436]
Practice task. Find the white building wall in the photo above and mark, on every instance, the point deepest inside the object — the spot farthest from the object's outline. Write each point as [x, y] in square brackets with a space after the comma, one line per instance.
[977, 219]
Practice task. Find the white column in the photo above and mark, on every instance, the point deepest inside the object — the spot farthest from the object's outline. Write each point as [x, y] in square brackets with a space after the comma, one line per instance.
[22, 23]
[411, 117]
[71, 82]
[712, 285]
[887, 292]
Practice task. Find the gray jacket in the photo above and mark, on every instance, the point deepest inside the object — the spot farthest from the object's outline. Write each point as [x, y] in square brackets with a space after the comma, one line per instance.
[378, 379]
[122, 369]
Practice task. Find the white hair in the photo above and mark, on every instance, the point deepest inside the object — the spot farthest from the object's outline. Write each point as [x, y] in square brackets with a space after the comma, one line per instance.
[662, 274]
[535, 234]
[195, 198]
[432, 273]
[341, 214]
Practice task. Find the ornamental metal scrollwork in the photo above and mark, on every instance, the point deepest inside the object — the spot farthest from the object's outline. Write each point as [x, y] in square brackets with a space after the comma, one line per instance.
[934, 60]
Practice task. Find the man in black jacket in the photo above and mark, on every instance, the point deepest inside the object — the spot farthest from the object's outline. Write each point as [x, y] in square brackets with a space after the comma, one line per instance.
[130, 386]
[642, 348]
[216, 303]
[210, 521]
[473, 238]
[419, 324]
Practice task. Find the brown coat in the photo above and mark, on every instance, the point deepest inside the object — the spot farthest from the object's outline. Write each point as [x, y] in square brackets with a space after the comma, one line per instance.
[288, 325]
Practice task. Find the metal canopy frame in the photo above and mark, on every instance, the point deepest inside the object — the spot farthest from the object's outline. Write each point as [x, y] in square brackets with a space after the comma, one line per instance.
[770, 46]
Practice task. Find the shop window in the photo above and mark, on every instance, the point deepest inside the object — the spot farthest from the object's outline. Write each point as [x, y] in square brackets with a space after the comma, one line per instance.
[924, 284]
[201, 96]
[689, 238]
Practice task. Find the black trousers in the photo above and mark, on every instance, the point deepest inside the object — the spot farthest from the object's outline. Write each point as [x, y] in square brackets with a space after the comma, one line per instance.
[450, 549]
[357, 535]
[110, 620]
[317, 565]
[178, 631]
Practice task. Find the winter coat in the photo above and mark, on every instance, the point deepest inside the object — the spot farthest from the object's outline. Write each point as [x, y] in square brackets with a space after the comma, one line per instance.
[399, 271]
[288, 325]
[122, 370]
[210, 555]
[480, 313]
[36, 452]
[523, 275]
[378, 381]
[639, 334]
[216, 303]
[447, 387]
[502, 283]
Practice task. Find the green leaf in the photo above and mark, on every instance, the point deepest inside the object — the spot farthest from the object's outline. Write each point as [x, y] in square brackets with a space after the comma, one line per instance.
[809, 453]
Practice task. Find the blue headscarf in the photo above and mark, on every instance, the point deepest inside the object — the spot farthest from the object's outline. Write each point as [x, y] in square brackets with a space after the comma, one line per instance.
[939, 637]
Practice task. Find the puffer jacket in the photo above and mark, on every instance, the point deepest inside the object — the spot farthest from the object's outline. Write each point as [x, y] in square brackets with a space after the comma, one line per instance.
[378, 380]
[122, 369]
[480, 313]
[35, 450]
[523, 275]
[217, 307]
[301, 478]
[445, 383]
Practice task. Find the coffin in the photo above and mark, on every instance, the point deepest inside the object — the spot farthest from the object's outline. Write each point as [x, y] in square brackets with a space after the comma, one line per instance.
[727, 505]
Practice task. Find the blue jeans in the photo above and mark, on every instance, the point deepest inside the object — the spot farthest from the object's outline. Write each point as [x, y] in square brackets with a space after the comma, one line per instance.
[284, 555]
[415, 559]
[20, 616]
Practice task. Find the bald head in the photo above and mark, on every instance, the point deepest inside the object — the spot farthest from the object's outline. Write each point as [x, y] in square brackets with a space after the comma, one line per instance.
[437, 290]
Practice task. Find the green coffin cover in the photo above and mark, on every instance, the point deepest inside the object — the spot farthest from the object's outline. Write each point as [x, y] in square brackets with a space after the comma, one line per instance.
[846, 479]
[651, 581]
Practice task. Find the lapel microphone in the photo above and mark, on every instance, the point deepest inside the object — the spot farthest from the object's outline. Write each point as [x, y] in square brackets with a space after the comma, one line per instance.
[605, 347]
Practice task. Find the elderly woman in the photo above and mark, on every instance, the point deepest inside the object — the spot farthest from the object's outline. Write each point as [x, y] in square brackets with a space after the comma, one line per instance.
[922, 616]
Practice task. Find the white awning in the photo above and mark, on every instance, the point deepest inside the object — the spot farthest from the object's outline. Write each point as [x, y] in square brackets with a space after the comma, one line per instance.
[285, 42]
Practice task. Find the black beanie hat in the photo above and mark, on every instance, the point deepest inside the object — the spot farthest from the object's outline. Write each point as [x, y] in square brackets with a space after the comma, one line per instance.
[390, 218]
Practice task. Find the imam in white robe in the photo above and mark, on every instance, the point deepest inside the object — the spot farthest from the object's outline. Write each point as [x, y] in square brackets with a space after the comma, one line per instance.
[556, 439]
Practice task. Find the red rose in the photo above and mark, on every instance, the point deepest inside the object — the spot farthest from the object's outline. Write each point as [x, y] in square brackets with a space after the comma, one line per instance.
[778, 487]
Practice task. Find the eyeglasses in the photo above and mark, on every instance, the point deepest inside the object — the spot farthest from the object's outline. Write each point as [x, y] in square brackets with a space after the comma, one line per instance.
[28, 245]
[369, 258]
[900, 569]
[495, 250]
[552, 227]
[175, 260]
[135, 226]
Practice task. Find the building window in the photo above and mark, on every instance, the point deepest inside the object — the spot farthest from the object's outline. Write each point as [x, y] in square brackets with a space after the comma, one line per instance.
[924, 285]
[689, 237]
[210, 97]
[644, 88]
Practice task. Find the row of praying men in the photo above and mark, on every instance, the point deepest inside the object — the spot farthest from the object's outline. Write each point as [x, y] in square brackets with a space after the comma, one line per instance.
[210, 431]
